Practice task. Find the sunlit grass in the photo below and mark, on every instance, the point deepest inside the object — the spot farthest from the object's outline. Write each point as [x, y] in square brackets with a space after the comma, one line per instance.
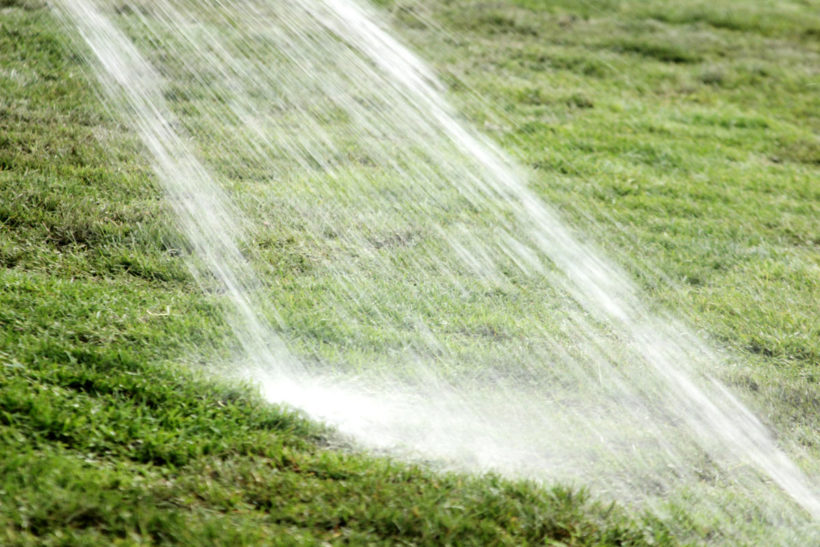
[682, 138]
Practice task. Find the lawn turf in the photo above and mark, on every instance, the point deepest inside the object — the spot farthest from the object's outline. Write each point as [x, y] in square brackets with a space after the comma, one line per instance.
[692, 129]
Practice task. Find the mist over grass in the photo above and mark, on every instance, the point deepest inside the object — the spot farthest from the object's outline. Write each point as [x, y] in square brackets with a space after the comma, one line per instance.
[683, 139]
[697, 169]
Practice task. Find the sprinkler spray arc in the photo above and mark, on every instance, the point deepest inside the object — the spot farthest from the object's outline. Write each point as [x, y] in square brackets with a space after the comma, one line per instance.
[526, 230]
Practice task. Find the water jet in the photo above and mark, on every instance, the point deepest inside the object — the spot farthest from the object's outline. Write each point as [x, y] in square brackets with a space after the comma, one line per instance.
[445, 309]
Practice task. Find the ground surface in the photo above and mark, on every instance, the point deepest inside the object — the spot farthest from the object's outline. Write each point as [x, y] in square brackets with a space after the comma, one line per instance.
[692, 129]
[686, 137]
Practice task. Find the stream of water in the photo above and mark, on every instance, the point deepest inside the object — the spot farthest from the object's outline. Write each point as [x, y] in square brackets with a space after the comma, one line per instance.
[386, 268]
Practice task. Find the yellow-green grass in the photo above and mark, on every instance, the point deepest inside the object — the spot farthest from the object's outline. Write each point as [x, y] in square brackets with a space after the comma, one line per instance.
[684, 139]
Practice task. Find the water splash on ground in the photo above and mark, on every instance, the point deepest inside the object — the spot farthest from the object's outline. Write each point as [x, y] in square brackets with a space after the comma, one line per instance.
[387, 269]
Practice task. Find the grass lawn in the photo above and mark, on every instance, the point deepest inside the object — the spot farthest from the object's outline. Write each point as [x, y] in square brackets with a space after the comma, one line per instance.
[683, 139]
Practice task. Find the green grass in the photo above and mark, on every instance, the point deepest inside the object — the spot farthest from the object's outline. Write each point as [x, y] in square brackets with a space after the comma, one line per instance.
[111, 431]
[691, 128]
